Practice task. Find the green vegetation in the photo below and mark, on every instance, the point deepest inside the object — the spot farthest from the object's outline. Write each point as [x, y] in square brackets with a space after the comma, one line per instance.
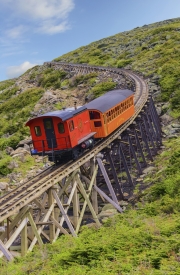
[87, 79]
[143, 240]
[8, 94]
[100, 88]
[14, 114]
[15, 111]
[4, 162]
[6, 84]
[151, 50]
[51, 78]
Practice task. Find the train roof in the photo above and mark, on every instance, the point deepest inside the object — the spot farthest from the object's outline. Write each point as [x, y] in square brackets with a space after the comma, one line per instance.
[62, 114]
[108, 100]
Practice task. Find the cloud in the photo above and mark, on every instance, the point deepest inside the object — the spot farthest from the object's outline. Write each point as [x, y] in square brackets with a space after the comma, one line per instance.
[50, 27]
[48, 16]
[15, 32]
[45, 9]
[15, 71]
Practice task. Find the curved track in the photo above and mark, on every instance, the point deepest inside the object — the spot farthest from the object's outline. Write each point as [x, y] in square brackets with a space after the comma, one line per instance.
[12, 202]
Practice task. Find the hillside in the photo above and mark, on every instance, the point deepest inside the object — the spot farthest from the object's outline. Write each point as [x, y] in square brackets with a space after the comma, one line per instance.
[145, 239]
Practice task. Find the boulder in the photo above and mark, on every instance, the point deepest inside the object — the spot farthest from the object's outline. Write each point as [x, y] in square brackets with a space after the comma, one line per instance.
[20, 151]
[9, 150]
[24, 142]
[166, 119]
[4, 185]
[148, 169]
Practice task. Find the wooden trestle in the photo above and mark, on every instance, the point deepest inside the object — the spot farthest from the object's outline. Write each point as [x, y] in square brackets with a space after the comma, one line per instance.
[106, 177]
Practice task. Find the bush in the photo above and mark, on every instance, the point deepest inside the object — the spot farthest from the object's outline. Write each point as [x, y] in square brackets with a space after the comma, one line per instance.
[122, 63]
[103, 87]
[175, 101]
[52, 78]
[4, 170]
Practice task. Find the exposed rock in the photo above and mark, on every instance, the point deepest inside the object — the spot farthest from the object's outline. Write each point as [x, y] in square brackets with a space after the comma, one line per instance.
[20, 151]
[12, 165]
[148, 169]
[4, 185]
[24, 142]
[170, 130]
[108, 206]
[166, 119]
[9, 150]
[159, 110]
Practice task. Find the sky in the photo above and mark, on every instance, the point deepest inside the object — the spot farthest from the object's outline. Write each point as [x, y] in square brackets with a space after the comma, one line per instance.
[35, 31]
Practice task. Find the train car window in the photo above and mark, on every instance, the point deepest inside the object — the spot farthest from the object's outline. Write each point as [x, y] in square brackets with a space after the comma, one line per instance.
[48, 124]
[71, 125]
[97, 124]
[37, 130]
[91, 114]
[61, 128]
[94, 115]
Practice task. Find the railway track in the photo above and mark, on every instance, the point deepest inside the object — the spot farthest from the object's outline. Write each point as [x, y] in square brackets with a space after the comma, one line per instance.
[12, 202]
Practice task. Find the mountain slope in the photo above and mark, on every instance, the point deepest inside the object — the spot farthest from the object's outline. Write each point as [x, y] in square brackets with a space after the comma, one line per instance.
[145, 239]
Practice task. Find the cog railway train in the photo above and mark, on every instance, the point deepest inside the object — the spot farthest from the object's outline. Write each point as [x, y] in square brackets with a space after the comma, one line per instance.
[69, 132]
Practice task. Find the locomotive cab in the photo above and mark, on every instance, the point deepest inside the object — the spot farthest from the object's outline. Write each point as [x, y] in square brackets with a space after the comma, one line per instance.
[59, 133]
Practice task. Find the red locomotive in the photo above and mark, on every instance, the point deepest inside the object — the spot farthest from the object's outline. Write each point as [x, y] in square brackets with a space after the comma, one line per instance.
[68, 132]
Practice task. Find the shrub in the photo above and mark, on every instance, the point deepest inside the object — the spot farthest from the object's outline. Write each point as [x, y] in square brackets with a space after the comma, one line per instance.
[100, 88]
[52, 78]
[4, 170]
[122, 63]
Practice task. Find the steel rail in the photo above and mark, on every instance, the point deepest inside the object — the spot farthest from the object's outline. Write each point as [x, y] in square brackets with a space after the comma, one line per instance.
[12, 202]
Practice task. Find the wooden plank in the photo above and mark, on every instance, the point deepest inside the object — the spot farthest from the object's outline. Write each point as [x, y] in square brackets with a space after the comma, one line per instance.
[24, 241]
[66, 209]
[108, 199]
[64, 213]
[5, 252]
[105, 175]
[35, 230]
[83, 192]
[51, 226]
[85, 202]
[64, 231]
[51, 219]
[45, 219]
[15, 234]
[43, 202]
[15, 222]
[94, 192]
[75, 208]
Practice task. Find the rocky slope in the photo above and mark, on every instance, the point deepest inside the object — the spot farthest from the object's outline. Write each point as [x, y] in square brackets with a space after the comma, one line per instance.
[152, 50]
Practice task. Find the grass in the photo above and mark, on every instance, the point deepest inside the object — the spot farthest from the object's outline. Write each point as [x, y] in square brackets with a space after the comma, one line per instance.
[152, 50]
[146, 238]
[143, 240]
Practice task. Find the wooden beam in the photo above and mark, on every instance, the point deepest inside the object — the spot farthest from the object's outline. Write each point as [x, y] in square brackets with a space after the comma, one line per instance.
[24, 241]
[51, 219]
[15, 222]
[5, 252]
[51, 227]
[94, 192]
[45, 219]
[85, 202]
[34, 228]
[15, 234]
[64, 212]
[108, 199]
[83, 192]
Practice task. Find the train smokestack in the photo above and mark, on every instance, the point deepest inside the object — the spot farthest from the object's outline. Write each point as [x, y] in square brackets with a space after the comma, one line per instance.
[75, 105]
